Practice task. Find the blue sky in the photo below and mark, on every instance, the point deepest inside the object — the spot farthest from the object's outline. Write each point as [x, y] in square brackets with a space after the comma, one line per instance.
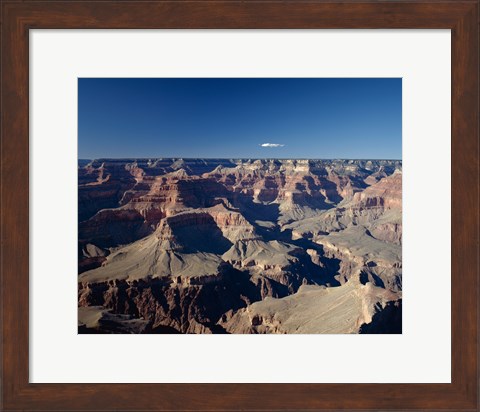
[232, 118]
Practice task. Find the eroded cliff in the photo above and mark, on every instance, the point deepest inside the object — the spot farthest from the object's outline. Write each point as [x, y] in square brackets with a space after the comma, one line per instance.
[240, 246]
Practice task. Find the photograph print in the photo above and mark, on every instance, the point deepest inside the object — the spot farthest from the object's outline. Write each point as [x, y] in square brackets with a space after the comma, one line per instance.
[240, 205]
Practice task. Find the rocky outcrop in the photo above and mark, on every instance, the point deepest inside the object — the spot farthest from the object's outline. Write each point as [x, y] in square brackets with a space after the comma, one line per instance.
[315, 309]
[101, 185]
[362, 255]
[240, 246]
[181, 302]
[378, 208]
[385, 194]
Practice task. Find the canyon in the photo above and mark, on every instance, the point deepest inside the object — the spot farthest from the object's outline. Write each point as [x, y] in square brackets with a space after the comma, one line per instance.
[249, 246]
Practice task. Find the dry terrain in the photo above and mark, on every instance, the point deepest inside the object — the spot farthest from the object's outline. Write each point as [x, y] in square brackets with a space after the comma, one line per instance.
[240, 246]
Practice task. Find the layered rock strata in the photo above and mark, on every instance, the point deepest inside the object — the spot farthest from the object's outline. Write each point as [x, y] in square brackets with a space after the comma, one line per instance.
[240, 246]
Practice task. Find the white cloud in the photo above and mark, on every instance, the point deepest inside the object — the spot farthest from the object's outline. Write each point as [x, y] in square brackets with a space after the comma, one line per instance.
[272, 145]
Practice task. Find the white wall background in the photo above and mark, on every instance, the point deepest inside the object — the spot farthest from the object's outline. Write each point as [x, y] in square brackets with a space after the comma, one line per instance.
[420, 354]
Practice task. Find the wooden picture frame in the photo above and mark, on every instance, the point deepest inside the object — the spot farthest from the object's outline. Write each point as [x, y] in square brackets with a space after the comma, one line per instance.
[18, 17]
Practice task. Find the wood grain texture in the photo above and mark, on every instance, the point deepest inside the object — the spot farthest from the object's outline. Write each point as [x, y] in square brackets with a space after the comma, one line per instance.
[20, 16]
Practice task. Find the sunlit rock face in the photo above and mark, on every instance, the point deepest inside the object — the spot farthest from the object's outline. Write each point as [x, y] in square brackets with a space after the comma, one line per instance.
[240, 246]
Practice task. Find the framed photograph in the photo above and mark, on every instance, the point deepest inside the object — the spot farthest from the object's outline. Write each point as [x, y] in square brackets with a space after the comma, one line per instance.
[222, 232]
[240, 205]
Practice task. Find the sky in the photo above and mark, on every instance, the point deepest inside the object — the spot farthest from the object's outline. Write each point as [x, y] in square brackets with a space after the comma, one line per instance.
[307, 118]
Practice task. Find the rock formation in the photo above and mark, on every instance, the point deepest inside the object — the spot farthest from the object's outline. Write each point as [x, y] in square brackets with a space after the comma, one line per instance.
[240, 246]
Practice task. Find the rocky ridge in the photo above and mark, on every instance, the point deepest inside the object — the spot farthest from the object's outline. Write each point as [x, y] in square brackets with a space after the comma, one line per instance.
[240, 245]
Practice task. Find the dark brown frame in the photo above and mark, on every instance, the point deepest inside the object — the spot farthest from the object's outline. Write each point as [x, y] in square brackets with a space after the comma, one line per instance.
[461, 16]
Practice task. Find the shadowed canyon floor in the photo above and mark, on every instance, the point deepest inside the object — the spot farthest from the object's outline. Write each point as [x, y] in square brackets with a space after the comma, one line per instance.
[240, 246]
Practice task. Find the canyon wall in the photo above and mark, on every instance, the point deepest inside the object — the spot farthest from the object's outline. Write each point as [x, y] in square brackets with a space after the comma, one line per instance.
[240, 246]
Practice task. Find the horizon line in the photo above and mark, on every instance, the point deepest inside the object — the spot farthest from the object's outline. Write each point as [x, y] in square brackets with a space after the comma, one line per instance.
[235, 158]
